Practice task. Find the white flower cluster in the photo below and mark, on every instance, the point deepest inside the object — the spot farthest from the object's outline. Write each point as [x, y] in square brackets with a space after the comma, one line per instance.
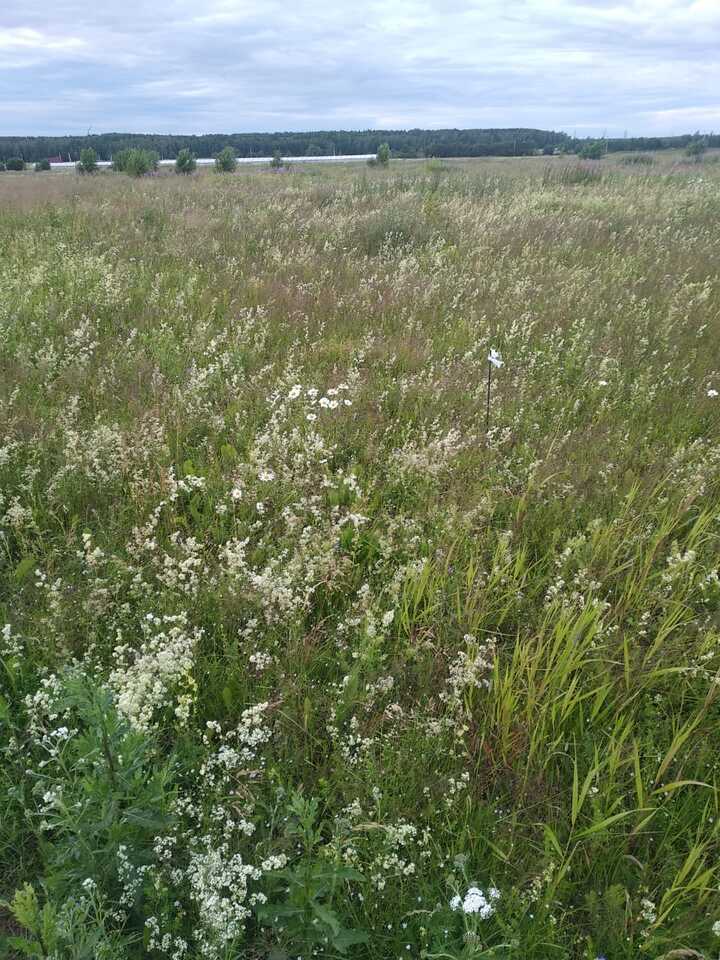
[236, 748]
[648, 913]
[11, 644]
[207, 861]
[471, 669]
[219, 886]
[331, 401]
[159, 674]
[476, 901]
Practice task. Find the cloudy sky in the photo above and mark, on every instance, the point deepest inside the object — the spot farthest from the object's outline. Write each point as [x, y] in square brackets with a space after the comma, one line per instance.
[195, 66]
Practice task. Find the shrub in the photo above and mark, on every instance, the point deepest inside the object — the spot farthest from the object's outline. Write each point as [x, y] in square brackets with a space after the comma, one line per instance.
[571, 175]
[383, 154]
[592, 151]
[42, 165]
[638, 159]
[2, 166]
[225, 161]
[136, 162]
[15, 163]
[696, 149]
[277, 161]
[185, 162]
[88, 161]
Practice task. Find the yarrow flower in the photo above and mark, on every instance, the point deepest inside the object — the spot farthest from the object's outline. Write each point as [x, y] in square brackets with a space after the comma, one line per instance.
[716, 928]
[495, 359]
[475, 901]
[712, 393]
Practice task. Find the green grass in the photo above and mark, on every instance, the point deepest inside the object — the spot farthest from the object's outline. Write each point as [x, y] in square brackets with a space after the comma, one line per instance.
[296, 651]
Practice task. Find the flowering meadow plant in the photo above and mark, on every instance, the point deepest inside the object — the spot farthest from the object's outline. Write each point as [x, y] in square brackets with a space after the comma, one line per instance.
[359, 564]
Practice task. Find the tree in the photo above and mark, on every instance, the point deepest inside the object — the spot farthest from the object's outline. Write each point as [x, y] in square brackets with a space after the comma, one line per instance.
[277, 161]
[136, 163]
[2, 166]
[383, 154]
[15, 163]
[593, 150]
[88, 161]
[42, 165]
[186, 162]
[225, 161]
[696, 149]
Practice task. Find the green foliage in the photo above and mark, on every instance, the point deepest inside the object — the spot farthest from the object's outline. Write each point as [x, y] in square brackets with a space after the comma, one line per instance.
[115, 793]
[78, 929]
[592, 151]
[42, 165]
[226, 162]
[88, 161]
[15, 163]
[572, 174]
[638, 160]
[294, 652]
[509, 142]
[135, 162]
[2, 167]
[697, 148]
[383, 154]
[185, 162]
[300, 903]
[277, 162]
[407, 143]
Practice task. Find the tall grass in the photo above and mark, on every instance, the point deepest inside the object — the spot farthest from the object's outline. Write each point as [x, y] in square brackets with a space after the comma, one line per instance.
[295, 651]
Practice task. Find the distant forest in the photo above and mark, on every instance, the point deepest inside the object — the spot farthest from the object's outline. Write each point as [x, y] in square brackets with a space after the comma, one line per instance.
[403, 143]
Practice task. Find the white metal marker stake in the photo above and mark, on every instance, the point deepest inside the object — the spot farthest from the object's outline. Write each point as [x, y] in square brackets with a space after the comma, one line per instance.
[494, 360]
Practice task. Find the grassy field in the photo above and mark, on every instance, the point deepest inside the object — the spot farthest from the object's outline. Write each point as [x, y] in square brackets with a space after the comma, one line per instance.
[300, 656]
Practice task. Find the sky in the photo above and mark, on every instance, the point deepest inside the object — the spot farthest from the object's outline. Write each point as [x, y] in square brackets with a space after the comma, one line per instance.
[589, 67]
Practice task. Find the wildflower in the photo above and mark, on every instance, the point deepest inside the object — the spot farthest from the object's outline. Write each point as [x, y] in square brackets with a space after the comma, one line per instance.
[648, 911]
[475, 901]
[712, 393]
[716, 928]
[495, 358]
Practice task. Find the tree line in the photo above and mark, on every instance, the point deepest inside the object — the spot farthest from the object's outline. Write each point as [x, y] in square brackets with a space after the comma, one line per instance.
[403, 143]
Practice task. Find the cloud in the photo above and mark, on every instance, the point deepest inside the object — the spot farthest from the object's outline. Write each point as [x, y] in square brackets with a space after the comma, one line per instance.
[24, 47]
[649, 66]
